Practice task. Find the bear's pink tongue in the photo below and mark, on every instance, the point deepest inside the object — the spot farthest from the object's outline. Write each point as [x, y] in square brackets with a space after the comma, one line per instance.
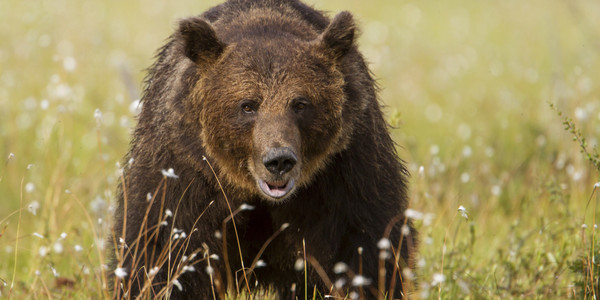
[276, 189]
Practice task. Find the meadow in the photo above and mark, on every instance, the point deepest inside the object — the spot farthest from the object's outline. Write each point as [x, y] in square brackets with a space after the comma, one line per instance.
[495, 107]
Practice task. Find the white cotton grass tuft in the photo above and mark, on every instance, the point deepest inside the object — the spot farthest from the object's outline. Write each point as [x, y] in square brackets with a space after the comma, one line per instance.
[29, 187]
[209, 270]
[284, 226]
[261, 263]
[360, 280]
[43, 251]
[340, 267]
[189, 269]
[120, 272]
[168, 213]
[438, 278]
[299, 264]
[54, 272]
[33, 207]
[78, 248]
[170, 173]
[384, 244]
[178, 285]
[245, 206]
[383, 254]
[339, 284]
[57, 248]
[38, 235]
[214, 257]
[405, 230]
[597, 185]
[69, 64]
[413, 214]
[463, 212]
[98, 115]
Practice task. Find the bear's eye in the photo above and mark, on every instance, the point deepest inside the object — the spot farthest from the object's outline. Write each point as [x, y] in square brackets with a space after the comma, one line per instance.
[248, 107]
[300, 105]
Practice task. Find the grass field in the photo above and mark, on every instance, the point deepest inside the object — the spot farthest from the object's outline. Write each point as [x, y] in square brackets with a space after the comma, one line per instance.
[466, 84]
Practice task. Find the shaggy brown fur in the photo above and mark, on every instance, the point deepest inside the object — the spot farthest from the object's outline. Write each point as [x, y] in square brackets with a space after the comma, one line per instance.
[279, 101]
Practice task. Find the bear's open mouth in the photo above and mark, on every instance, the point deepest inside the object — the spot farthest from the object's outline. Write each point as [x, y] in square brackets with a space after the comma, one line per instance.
[276, 189]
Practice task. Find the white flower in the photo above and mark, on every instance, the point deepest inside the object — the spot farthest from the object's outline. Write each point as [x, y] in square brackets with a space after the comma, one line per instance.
[384, 244]
[340, 267]
[384, 254]
[405, 230]
[30, 187]
[209, 270]
[57, 247]
[69, 64]
[438, 278]
[245, 206]
[299, 264]
[43, 251]
[63, 235]
[170, 173]
[153, 271]
[33, 207]
[340, 283]
[78, 248]
[413, 214]
[56, 274]
[189, 269]
[261, 263]
[360, 280]
[178, 285]
[98, 115]
[120, 272]
[463, 212]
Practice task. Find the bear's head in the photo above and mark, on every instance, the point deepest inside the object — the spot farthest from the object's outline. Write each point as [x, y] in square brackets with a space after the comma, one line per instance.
[270, 104]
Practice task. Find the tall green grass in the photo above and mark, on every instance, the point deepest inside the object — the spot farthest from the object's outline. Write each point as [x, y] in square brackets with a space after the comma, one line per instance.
[466, 85]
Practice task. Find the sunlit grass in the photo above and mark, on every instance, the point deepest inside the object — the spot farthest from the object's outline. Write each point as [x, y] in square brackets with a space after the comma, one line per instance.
[466, 85]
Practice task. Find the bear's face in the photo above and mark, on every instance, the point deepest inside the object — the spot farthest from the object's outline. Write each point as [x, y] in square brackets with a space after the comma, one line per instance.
[270, 109]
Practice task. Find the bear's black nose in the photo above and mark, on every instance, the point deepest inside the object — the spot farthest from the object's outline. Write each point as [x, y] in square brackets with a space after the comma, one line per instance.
[280, 160]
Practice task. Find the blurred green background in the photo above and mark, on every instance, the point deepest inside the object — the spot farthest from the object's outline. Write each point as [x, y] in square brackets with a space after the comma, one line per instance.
[466, 86]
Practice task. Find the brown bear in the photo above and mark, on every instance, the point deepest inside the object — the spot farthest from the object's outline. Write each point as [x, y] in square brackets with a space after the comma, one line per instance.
[261, 163]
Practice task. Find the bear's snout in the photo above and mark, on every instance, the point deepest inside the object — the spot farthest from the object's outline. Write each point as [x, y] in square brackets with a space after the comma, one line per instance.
[280, 160]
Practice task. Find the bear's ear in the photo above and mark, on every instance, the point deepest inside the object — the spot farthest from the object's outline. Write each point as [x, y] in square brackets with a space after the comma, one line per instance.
[338, 37]
[200, 41]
